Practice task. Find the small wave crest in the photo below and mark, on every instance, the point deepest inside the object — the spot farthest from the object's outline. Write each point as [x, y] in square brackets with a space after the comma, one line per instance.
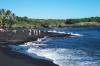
[56, 31]
[62, 32]
[76, 34]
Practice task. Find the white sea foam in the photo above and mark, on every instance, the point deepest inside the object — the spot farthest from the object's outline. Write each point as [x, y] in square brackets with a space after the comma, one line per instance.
[64, 57]
[60, 56]
[56, 31]
[62, 32]
[75, 34]
[42, 39]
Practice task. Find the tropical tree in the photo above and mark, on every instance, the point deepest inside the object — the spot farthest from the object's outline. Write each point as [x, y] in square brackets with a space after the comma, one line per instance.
[7, 18]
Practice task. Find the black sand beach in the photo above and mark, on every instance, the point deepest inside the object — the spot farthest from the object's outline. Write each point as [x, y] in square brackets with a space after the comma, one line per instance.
[19, 36]
[10, 58]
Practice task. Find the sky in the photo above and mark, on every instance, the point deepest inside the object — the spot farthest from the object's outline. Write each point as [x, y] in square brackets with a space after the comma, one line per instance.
[53, 9]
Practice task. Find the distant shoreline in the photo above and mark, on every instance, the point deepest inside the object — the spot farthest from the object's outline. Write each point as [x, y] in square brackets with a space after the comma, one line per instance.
[80, 24]
[71, 25]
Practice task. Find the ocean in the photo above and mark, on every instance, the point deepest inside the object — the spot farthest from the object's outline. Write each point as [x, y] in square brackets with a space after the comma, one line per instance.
[83, 50]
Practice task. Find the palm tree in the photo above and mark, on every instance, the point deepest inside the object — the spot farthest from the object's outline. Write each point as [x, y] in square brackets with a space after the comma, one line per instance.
[6, 18]
[2, 16]
[11, 19]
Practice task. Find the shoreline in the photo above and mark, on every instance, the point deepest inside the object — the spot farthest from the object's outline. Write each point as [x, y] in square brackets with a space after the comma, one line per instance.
[67, 26]
[11, 58]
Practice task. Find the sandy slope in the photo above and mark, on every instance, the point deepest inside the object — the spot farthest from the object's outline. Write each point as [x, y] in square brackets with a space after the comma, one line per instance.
[6, 60]
[9, 58]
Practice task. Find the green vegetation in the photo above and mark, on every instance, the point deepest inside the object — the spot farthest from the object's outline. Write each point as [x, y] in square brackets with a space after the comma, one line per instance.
[10, 20]
[91, 21]
[7, 18]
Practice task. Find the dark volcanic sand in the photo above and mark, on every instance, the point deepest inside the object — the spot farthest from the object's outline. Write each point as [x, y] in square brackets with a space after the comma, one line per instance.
[10, 58]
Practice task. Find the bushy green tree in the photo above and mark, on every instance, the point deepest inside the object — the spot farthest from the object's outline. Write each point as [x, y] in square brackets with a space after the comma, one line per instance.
[7, 18]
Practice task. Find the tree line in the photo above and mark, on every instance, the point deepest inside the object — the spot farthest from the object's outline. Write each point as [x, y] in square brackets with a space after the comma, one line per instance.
[8, 20]
[90, 19]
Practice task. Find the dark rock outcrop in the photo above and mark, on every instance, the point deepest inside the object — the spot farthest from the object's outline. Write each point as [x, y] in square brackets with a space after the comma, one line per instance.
[19, 36]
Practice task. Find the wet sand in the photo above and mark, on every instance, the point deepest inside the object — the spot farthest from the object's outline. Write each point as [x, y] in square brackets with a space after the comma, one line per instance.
[10, 58]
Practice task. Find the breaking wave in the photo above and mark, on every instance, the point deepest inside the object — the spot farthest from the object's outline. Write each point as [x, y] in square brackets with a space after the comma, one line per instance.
[72, 55]
[60, 56]
[56, 31]
[62, 32]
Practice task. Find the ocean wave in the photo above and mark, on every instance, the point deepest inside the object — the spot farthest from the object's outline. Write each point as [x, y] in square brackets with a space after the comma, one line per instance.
[56, 31]
[75, 34]
[62, 32]
[60, 56]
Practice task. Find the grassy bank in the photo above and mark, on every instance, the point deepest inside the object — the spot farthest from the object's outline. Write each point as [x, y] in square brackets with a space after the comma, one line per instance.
[83, 24]
[53, 24]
